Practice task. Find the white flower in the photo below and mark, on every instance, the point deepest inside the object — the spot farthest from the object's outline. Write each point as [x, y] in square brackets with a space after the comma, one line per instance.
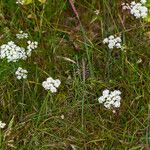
[138, 9]
[118, 39]
[57, 83]
[107, 105]
[96, 12]
[111, 37]
[113, 42]
[62, 117]
[101, 99]
[118, 45]
[105, 93]
[21, 73]
[22, 35]
[50, 79]
[117, 104]
[105, 40]
[2, 125]
[133, 3]
[111, 45]
[143, 1]
[12, 52]
[32, 45]
[53, 89]
[110, 99]
[51, 84]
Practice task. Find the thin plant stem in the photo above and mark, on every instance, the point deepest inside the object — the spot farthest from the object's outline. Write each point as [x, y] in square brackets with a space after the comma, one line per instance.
[22, 99]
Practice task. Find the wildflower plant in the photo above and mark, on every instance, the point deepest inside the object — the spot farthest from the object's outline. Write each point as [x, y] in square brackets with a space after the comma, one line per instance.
[21, 73]
[31, 46]
[110, 98]
[138, 10]
[51, 85]
[113, 42]
[13, 52]
[37, 110]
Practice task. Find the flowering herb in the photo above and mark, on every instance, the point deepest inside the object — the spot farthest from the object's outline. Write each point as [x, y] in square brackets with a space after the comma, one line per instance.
[138, 10]
[110, 98]
[51, 84]
[13, 52]
[21, 73]
[113, 42]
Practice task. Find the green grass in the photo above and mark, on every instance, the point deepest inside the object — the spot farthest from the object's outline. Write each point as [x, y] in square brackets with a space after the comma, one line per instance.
[33, 115]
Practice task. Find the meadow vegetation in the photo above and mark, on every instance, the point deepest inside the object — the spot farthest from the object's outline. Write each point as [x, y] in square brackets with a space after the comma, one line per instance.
[71, 49]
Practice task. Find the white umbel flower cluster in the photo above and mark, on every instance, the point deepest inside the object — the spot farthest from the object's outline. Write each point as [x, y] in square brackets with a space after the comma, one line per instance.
[51, 84]
[110, 98]
[31, 46]
[138, 10]
[113, 42]
[21, 73]
[2, 125]
[12, 52]
[22, 35]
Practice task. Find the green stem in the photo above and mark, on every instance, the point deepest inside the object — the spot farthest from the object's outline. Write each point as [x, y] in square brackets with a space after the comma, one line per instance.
[22, 100]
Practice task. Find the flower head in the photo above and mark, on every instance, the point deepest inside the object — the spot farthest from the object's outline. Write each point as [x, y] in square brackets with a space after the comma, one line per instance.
[31, 46]
[110, 98]
[113, 42]
[138, 9]
[51, 84]
[21, 73]
[12, 52]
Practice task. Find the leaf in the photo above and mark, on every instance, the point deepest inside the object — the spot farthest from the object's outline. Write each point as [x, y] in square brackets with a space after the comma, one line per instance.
[42, 1]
